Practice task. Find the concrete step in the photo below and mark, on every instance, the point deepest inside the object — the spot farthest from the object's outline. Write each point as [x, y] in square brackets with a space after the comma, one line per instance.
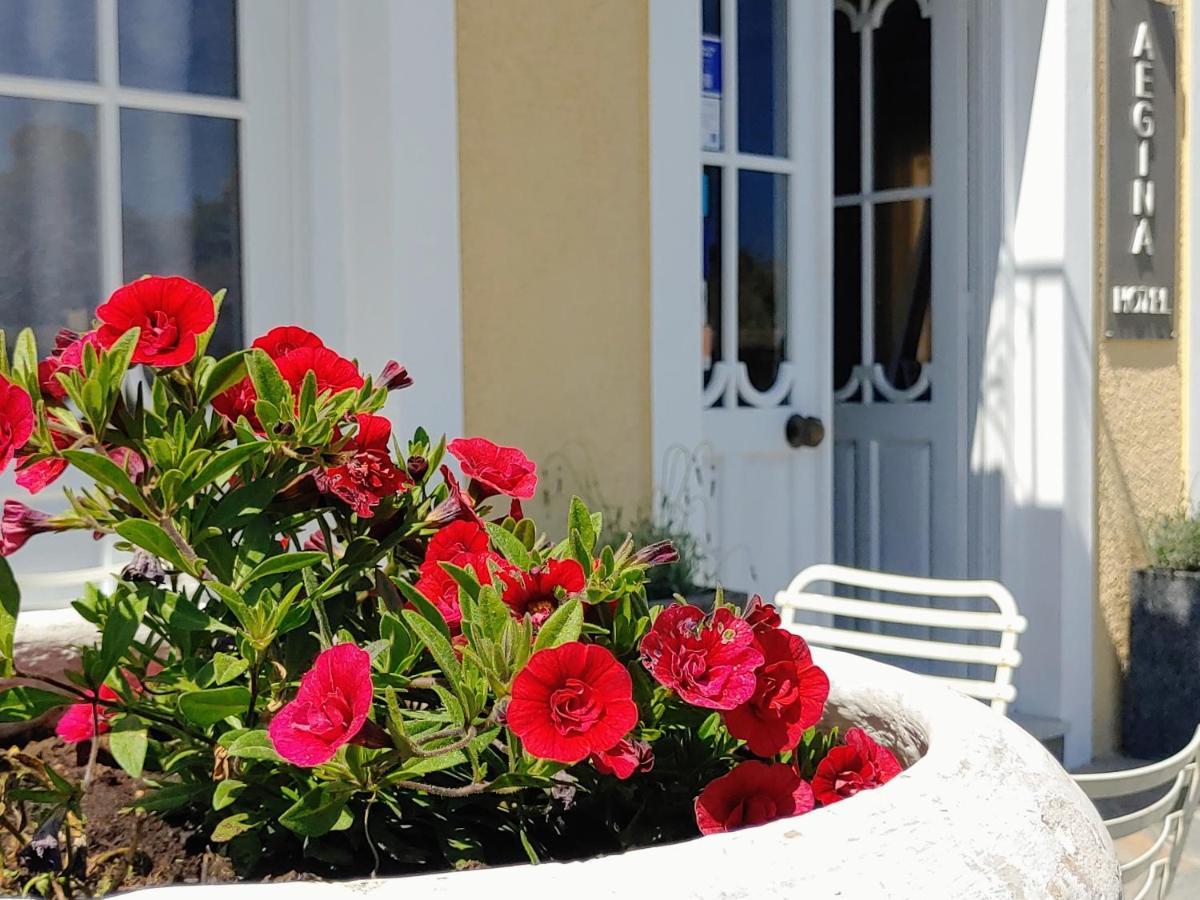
[1049, 731]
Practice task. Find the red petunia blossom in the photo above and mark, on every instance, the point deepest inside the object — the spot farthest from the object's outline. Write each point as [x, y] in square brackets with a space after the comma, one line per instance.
[859, 765]
[172, 313]
[284, 339]
[708, 660]
[36, 476]
[752, 794]
[330, 708]
[763, 617]
[78, 722]
[67, 357]
[19, 523]
[457, 505]
[499, 470]
[368, 474]
[455, 541]
[16, 420]
[572, 701]
[789, 696]
[535, 593]
[238, 401]
[333, 372]
[624, 760]
[438, 586]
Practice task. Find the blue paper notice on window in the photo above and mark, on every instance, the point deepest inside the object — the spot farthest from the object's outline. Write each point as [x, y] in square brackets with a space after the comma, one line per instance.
[710, 92]
[710, 55]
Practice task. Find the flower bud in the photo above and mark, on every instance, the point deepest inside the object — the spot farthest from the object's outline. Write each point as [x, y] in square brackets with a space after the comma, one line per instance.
[394, 376]
[19, 523]
[143, 567]
[660, 553]
[417, 467]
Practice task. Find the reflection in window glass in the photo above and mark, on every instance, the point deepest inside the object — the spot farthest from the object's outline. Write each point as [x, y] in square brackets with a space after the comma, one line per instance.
[762, 77]
[847, 292]
[762, 274]
[48, 38]
[180, 201]
[902, 102]
[903, 325]
[49, 250]
[711, 211]
[847, 107]
[183, 45]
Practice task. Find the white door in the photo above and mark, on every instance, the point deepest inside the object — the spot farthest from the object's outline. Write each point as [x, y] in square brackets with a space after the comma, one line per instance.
[767, 212]
[899, 285]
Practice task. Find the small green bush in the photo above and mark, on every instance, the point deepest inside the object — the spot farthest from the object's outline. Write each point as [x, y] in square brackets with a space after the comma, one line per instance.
[1175, 542]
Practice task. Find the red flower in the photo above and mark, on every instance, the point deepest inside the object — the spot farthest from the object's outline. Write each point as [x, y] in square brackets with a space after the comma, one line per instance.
[19, 523]
[753, 793]
[438, 586]
[238, 401]
[78, 723]
[534, 593]
[368, 475]
[35, 476]
[456, 506]
[859, 765]
[284, 339]
[456, 540]
[708, 660]
[171, 313]
[67, 357]
[789, 696]
[330, 708]
[500, 470]
[625, 759]
[572, 701]
[334, 373]
[763, 617]
[16, 420]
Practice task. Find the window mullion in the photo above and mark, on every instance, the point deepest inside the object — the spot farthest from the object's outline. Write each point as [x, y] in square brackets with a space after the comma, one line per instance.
[112, 273]
[867, 154]
[729, 202]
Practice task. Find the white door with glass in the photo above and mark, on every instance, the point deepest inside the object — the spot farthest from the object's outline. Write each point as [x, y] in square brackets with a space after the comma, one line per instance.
[831, 130]
[126, 135]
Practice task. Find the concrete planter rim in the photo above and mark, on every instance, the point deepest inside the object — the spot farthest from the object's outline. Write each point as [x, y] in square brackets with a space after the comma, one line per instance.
[982, 811]
[1160, 572]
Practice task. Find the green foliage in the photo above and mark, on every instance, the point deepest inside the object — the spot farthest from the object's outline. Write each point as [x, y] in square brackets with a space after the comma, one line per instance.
[1175, 542]
[687, 575]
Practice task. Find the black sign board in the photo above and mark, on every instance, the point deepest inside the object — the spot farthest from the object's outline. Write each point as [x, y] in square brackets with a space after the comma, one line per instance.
[1141, 180]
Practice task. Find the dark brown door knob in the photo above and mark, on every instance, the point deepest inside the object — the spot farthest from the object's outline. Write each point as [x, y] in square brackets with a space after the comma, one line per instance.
[804, 431]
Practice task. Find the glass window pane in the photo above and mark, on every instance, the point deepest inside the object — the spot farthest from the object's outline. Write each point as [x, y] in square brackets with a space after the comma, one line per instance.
[762, 77]
[712, 76]
[762, 274]
[180, 205]
[902, 97]
[847, 292]
[184, 45]
[48, 38]
[903, 323]
[847, 106]
[49, 252]
[710, 348]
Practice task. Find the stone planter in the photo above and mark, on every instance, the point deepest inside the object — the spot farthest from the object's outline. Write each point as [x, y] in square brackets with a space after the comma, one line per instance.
[983, 812]
[1161, 702]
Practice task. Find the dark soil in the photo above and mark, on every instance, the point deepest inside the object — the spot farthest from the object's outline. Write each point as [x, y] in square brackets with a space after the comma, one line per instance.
[123, 850]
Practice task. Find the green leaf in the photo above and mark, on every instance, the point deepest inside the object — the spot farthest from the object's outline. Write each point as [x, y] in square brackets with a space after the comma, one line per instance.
[221, 465]
[224, 374]
[104, 471]
[285, 562]
[172, 796]
[579, 519]
[227, 792]
[24, 368]
[234, 600]
[21, 704]
[491, 613]
[124, 617]
[509, 545]
[211, 706]
[439, 648]
[424, 607]
[231, 826]
[127, 742]
[562, 627]
[268, 383]
[10, 604]
[181, 614]
[153, 539]
[254, 744]
[315, 813]
[227, 667]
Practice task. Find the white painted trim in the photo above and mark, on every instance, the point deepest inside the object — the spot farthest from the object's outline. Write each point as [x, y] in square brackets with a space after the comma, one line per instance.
[1191, 355]
[676, 285]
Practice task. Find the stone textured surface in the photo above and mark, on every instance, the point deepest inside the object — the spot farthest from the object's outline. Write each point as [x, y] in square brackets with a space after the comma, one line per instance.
[1162, 687]
[983, 812]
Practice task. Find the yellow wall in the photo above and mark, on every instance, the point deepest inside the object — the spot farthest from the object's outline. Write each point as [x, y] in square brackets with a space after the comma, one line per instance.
[554, 172]
[1139, 439]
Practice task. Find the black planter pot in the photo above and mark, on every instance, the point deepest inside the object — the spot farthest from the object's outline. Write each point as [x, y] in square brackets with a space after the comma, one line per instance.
[1161, 703]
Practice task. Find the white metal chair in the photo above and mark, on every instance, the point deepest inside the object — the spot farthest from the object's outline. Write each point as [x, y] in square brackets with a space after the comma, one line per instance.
[1005, 620]
[1151, 872]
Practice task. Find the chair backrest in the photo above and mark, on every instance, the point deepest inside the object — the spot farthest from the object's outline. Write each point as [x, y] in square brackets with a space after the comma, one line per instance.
[1167, 817]
[1005, 620]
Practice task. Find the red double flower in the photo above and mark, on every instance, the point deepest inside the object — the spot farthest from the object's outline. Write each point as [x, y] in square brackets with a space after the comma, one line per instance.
[367, 475]
[16, 420]
[572, 701]
[752, 794]
[171, 312]
[710, 661]
[859, 765]
[495, 469]
[625, 760]
[66, 357]
[438, 586]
